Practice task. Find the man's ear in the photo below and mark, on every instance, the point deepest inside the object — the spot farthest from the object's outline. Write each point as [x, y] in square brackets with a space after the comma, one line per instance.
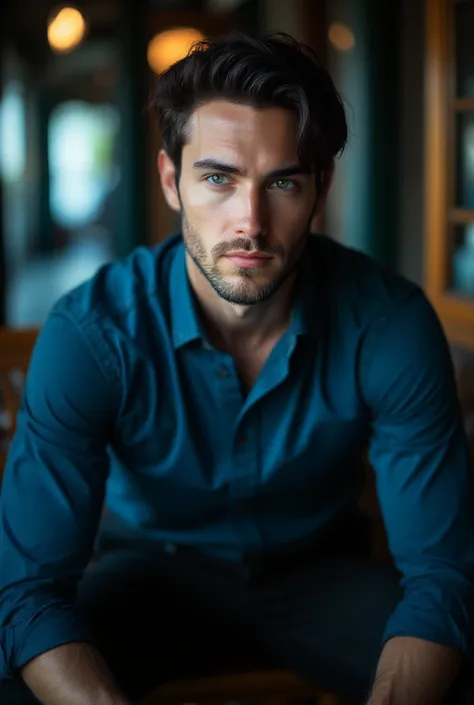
[167, 172]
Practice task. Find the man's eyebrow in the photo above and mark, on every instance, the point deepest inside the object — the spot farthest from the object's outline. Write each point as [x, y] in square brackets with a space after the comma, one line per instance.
[296, 169]
[283, 172]
[214, 165]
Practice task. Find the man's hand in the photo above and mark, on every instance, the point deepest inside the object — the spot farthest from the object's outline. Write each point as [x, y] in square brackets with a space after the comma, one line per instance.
[413, 671]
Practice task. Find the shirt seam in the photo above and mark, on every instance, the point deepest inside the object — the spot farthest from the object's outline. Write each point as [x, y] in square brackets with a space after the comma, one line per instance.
[100, 350]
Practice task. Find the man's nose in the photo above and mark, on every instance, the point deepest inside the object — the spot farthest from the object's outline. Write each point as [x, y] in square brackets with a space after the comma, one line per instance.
[252, 213]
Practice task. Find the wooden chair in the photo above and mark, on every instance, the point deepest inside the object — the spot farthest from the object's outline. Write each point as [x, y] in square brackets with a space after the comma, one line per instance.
[15, 351]
[263, 687]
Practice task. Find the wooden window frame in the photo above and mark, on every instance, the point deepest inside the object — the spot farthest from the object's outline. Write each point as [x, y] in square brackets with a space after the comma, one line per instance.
[456, 313]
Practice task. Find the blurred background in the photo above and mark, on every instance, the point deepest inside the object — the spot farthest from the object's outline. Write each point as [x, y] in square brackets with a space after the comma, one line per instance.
[78, 185]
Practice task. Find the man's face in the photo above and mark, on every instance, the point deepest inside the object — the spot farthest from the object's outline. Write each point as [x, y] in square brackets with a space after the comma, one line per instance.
[246, 202]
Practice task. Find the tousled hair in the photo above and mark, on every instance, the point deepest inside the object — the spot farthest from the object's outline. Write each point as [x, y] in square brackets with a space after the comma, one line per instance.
[273, 71]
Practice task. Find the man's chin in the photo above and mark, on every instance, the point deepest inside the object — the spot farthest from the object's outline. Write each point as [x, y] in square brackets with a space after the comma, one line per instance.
[239, 299]
[244, 293]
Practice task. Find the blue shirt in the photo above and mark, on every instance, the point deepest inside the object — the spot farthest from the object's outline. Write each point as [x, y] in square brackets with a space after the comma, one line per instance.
[123, 387]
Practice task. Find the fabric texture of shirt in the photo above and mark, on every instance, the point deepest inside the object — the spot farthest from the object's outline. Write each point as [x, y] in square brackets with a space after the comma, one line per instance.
[127, 402]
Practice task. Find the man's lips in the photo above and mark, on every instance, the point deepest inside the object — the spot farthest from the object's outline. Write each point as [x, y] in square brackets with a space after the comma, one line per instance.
[249, 259]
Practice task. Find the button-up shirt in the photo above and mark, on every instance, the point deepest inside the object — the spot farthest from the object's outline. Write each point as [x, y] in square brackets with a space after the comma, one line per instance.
[126, 398]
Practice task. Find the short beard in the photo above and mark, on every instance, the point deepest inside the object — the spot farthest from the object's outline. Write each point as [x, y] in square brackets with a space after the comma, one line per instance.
[224, 289]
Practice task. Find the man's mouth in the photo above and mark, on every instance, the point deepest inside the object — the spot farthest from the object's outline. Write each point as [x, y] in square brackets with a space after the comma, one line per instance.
[252, 260]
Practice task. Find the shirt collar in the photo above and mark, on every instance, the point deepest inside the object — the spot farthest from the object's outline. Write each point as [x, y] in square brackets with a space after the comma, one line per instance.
[185, 324]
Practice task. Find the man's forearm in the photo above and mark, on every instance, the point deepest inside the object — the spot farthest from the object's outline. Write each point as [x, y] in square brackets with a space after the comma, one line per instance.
[414, 672]
[72, 674]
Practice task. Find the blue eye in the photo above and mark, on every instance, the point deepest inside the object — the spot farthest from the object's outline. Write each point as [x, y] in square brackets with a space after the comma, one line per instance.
[284, 184]
[217, 179]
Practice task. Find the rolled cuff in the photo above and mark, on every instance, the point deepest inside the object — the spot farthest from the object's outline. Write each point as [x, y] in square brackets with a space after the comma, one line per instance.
[450, 625]
[25, 640]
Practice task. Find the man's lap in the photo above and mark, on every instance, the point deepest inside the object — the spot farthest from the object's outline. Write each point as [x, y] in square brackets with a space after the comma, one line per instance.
[178, 616]
[164, 616]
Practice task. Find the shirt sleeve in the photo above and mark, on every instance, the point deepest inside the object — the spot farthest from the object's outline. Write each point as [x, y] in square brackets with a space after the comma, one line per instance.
[52, 493]
[419, 452]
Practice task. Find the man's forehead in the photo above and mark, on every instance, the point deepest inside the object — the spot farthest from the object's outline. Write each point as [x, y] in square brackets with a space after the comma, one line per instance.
[227, 128]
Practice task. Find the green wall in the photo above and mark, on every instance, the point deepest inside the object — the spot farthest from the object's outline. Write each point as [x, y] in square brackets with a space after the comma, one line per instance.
[364, 203]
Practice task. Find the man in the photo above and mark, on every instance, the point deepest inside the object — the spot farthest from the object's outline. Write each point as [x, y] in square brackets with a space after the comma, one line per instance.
[215, 394]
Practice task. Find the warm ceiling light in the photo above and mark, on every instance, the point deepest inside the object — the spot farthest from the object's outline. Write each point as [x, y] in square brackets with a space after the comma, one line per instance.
[66, 29]
[341, 36]
[170, 46]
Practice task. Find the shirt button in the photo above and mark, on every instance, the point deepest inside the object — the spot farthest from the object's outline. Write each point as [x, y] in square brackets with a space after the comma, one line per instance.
[223, 372]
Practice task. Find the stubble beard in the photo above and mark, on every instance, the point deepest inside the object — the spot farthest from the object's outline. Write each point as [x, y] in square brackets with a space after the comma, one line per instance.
[245, 293]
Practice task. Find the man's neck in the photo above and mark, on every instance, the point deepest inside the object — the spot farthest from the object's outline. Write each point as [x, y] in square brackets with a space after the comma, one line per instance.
[230, 326]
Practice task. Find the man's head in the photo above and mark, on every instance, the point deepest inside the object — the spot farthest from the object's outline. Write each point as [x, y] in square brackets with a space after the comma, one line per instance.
[250, 128]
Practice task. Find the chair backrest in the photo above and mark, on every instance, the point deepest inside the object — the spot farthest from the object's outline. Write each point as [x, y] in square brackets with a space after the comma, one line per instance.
[16, 347]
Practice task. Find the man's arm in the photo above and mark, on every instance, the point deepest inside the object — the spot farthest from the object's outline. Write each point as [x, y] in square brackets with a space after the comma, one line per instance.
[72, 674]
[420, 455]
[51, 502]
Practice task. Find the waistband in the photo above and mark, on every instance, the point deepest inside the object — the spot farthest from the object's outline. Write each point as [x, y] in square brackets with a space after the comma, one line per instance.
[347, 534]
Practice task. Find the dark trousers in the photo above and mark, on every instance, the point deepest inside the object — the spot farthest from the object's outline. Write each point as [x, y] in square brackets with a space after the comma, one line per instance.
[161, 614]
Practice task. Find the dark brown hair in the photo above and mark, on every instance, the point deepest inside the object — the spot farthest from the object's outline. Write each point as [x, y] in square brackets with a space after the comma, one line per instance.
[275, 70]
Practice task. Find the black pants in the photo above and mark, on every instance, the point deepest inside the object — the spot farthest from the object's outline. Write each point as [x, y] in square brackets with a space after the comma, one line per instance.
[160, 614]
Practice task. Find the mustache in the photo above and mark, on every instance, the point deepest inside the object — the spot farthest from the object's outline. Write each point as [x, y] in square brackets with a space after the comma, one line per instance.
[244, 244]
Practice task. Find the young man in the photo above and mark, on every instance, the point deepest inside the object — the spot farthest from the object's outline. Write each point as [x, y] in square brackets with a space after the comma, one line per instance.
[215, 394]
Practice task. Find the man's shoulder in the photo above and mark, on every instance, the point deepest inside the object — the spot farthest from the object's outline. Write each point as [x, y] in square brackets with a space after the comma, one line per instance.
[122, 286]
[354, 277]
